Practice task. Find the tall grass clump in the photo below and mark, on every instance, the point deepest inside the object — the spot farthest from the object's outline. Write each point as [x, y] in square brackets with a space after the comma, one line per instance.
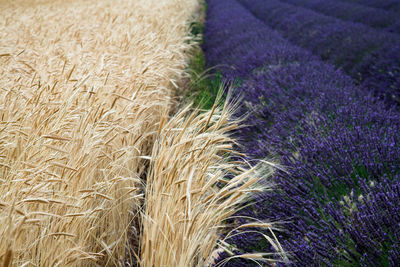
[194, 188]
[84, 87]
[194, 185]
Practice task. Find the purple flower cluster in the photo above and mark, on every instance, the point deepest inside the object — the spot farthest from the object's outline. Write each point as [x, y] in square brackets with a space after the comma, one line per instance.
[237, 53]
[394, 28]
[340, 193]
[345, 44]
[381, 69]
[331, 138]
[370, 16]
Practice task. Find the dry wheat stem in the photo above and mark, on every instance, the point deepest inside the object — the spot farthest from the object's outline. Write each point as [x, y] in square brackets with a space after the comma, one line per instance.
[84, 87]
[185, 209]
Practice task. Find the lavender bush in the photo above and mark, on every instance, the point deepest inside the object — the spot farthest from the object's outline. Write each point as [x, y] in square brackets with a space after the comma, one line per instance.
[350, 11]
[394, 28]
[340, 193]
[391, 5]
[345, 44]
[237, 53]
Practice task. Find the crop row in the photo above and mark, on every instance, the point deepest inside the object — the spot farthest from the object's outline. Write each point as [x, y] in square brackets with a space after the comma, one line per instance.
[391, 5]
[339, 194]
[353, 12]
[370, 56]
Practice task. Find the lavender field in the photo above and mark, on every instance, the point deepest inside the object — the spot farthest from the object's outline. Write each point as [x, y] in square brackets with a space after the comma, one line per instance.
[320, 88]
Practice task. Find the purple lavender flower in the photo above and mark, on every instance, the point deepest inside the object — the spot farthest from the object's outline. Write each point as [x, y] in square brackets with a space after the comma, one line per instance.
[347, 45]
[351, 11]
[340, 194]
[391, 5]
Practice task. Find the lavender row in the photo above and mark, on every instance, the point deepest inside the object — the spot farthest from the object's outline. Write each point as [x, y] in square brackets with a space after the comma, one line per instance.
[373, 17]
[391, 5]
[370, 56]
[237, 53]
[337, 144]
[340, 193]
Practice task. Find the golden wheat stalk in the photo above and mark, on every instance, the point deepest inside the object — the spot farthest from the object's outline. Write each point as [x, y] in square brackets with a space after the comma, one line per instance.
[188, 195]
[84, 86]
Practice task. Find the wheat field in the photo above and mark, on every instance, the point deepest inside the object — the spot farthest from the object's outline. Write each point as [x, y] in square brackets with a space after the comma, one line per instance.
[83, 87]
